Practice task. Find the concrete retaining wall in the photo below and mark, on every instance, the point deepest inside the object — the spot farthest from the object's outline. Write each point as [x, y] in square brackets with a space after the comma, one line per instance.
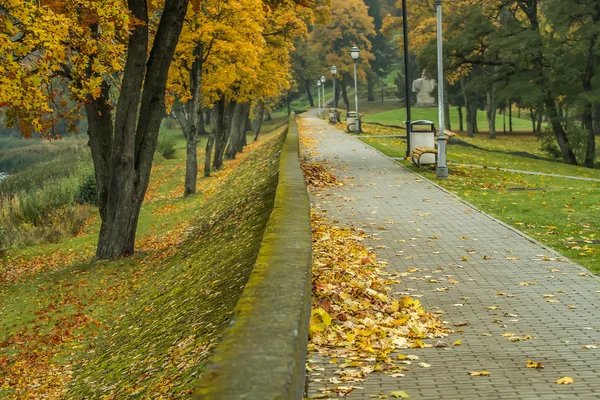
[263, 352]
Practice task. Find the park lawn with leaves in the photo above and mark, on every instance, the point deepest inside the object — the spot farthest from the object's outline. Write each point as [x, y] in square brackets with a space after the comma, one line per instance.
[498, 157]
[146, 324]
[558, 212]
[398, 116]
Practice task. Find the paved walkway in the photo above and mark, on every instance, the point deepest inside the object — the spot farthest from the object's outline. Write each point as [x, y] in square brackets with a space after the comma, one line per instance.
[379, 192]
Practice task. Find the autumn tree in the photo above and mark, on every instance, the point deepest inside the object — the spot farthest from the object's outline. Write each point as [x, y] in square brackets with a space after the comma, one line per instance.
[95, 48]
[349, 25]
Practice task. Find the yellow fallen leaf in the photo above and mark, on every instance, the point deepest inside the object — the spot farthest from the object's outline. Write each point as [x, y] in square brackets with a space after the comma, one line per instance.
[533, 364]
[479, 373]
[493, 307]
[400, 395]
[464, 259]
[564, 381]
[457, 343]
[452, 281]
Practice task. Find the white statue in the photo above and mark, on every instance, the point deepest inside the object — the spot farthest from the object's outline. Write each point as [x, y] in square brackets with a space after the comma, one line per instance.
[423, 87]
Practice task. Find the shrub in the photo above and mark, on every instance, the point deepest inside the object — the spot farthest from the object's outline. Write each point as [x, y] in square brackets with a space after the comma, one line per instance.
[87, 193]
[166, 146]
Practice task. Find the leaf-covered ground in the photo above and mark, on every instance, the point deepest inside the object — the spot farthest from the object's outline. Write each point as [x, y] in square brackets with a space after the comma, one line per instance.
[356, 320]
[561, 213]
[145, 324]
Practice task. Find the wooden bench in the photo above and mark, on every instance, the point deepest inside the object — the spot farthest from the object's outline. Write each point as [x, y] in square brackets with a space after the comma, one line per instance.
[417, 152]
[336, 118]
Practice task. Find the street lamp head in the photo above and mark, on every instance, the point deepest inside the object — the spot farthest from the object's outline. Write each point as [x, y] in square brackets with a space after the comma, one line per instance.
[323, 79]
[355, 53]
[318, 82]
[333, 70]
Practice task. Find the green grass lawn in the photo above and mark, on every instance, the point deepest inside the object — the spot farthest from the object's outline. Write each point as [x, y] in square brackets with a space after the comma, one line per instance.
[466, 155]
[141, 326]
[561, 213]
[398, 116]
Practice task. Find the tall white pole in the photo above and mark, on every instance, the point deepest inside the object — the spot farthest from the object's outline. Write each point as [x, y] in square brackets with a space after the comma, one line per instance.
[319, 95]
[334, 91]
[442, 169]
[356, 98]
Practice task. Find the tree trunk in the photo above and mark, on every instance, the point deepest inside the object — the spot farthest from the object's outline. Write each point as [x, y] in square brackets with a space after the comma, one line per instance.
[540, 120]
[345, 94]
[447, 115]
[533, 119]
[191, 165]
[207, 114]
[371, 79]
[201, 123]
[460, 119]
[238, 130]
[216, 134]
[588, 107]
[468, 107]
[490, 112]
[208, 155]
[268, 116]
[222, 140]
[559, 132]
[123, 162]
[258, 119]
[338, 84]
[308, 93]
[510, 118]
[597, 119]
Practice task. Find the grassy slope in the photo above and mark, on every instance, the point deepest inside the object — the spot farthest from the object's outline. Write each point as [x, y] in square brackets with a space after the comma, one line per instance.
[59, 311]
[559, 212]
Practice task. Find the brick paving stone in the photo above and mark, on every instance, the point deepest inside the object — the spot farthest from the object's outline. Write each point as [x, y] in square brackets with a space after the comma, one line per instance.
[428, 228]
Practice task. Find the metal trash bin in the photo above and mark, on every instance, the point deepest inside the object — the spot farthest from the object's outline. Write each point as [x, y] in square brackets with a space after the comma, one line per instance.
[422, 134]
[351, 121]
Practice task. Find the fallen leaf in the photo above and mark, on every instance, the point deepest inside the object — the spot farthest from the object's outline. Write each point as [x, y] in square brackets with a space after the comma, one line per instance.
[533, 364]
[564, 381]
[479, 373]
[457, 343]
[400, 395]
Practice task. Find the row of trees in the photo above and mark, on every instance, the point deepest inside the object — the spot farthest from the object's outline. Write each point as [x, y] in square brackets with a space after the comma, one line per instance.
[542, 55]
[124, 63]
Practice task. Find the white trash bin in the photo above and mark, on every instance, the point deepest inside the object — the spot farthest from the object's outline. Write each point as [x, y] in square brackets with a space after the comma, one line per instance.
[351, 121]
[422, 134]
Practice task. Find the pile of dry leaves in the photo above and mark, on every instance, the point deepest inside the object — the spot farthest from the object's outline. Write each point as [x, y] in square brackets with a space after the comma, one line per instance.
[355, 319]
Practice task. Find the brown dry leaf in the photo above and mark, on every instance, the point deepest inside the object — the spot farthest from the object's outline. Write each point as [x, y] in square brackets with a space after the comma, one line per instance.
[452, 281]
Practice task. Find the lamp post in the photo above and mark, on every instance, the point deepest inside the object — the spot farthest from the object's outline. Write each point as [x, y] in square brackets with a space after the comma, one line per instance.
[334, 72]
[406, 77]
[319, 93]
[355, 54]
[323, 80]
[442, 169]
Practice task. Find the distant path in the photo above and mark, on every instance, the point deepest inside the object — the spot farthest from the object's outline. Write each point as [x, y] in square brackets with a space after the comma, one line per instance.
[503, 283]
